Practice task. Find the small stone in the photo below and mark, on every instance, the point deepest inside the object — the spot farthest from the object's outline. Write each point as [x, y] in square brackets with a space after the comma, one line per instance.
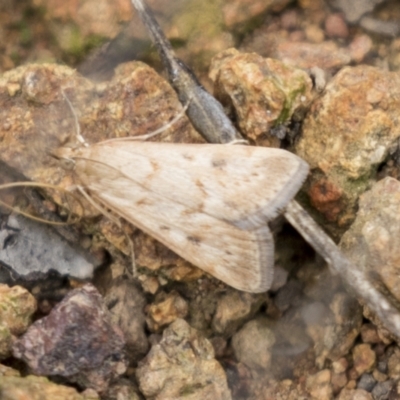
[289, 295]
[364, 358]
[382, 366]
[336, 27]
[373, 240]
[126, 302]
[91, 356]
[183, 362]
[13, 88]
[340, 366]
[6, 340]
[233, 309]
[394, 364]
[263, 93]
[382, 389]
[290, 19]
[219, 345]
[314, 34]
[37, 387]
[8, 371]
[354, 394]
[333, 330]
[351, 384]
[369, 334]
[166, 309]
[366, 382]
[280, 278]
[123, 389]
[252, 344]
[359, 47]
[338, 382]
[17, 308]
[238, 11]
[327, 55]
[379, 376]
[150, 284]
[319, 385]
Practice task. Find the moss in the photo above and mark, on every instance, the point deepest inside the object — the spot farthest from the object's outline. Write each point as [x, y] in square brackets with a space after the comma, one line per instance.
[77, 46]
[290, 97]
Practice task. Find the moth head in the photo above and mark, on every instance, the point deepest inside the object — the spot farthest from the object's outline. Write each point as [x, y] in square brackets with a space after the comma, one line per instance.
[66, 155]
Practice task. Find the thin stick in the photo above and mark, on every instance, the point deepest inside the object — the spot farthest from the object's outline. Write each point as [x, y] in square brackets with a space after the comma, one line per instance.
[205, 112]
[341, 265]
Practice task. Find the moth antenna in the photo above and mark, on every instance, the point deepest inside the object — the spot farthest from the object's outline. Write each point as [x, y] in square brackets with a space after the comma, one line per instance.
[38, 219]
[156, 132]
[77, 127]
[116, 221]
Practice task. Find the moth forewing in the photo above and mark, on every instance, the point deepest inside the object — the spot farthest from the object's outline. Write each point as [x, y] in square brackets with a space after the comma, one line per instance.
[208, 203]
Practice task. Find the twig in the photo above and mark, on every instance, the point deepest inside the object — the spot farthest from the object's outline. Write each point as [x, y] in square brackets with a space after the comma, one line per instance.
[205, 112]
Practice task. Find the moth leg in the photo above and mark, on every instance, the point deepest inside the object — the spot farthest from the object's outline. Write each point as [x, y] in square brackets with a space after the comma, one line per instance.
[117, 222]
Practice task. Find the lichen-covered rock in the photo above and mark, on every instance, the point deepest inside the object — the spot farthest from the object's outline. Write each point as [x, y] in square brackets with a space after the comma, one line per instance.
[182, 366]
[37, 388]
[166, 309]
[327, 55]
[373, 240]
[319, 385]
[262, 93]
[126, 302]
[239, 11]
[17, 308]
[348, 132]
[77, 341]
[233, 309]
[6, 341]
[252, 344]
[8, 371]
[355, 394]
[364, 358]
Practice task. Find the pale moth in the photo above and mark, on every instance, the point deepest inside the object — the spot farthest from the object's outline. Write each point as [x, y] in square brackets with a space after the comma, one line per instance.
[209, 203]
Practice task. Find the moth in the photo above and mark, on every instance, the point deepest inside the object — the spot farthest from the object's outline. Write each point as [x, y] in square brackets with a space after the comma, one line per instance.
[209, 203]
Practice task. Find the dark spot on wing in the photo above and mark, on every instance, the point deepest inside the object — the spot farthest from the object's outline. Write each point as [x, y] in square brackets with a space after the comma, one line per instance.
[231, 204]
[190, 211]
[155, 165]
[194, 239]
[164, 228]
[218, 163]
[200, 185]
[187, 157]
[144, 202]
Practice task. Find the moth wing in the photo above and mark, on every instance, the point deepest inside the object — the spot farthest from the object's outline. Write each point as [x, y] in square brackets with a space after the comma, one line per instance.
[243, 259]
[208, 203]
[244, 185]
